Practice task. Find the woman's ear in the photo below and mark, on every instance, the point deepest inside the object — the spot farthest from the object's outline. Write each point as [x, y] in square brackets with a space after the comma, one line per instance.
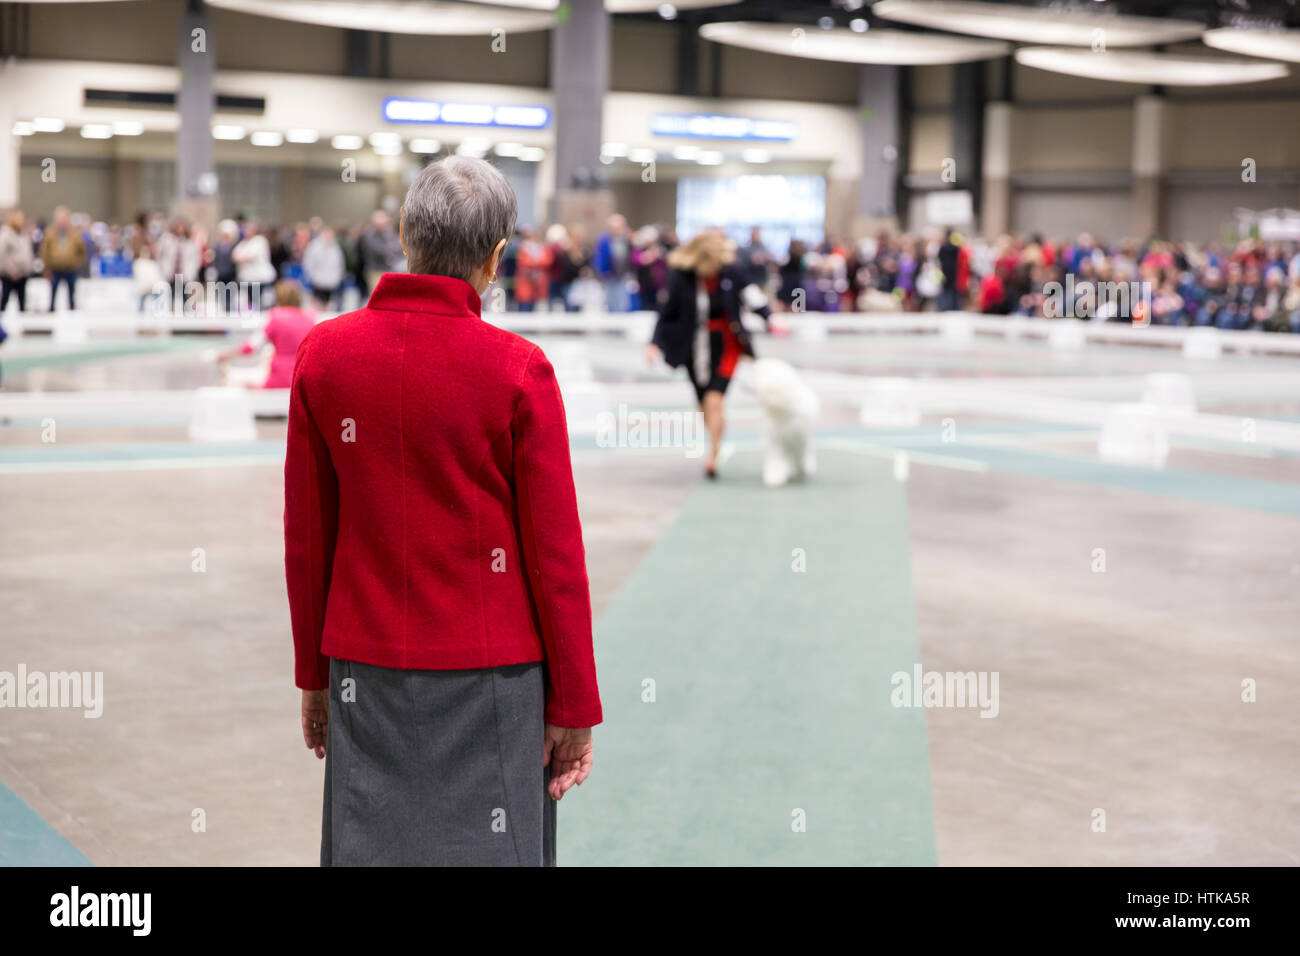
[494, 262]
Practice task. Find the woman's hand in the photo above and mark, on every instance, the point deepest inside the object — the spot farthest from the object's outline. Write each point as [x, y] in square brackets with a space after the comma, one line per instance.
[652, 355]
[568, 752]
[315, 719]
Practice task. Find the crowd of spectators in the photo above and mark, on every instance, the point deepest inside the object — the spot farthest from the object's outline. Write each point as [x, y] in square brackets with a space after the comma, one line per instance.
[1247, 284]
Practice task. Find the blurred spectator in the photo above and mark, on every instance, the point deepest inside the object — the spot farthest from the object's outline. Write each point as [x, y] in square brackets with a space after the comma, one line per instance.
[63, 254]
[612, 260]
[532, 270]
[16, 263]
[324, 266]
[381, 248]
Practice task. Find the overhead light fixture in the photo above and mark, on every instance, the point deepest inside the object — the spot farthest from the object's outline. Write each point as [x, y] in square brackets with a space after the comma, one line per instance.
[96, 131]
[425, 146]
[617, 150]
[228, 132]
[474, 147]
[844, 45]
[45, 124]
[302, 136]
[1046, 24]
[346, 141]
[384, 139]
[266, 138]
[1133, 66]
[756, 156]
[532, 154]
[22, 128]
[128, 128]
[667, 11]
[710, 157]
[641, 154]
[1273, 44]
[656, 6]
[426, 17]
[508, 149]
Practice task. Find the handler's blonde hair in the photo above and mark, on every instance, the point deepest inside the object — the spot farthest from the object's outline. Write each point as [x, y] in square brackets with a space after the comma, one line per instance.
[705, 254]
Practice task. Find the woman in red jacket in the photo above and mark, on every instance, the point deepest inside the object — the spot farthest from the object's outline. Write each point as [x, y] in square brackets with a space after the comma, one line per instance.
[436, 572]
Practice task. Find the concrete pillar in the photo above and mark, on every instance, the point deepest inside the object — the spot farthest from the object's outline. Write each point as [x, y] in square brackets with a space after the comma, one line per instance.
[579, 78]
[995, 205]
[1149, 139]
[968, 129]
[196, 171]
[9, 151]
[884, 147]
[127, 189]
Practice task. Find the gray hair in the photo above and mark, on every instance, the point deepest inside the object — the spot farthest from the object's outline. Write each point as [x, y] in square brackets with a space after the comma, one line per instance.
[455, 213]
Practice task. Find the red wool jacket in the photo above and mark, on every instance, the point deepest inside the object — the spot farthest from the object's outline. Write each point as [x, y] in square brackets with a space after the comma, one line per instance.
[430, 520]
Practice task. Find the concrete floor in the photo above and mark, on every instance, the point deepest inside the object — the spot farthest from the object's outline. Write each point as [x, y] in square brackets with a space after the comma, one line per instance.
[1120, 690]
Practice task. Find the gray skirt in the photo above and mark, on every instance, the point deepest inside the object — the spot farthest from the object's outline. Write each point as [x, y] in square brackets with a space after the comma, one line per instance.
[436, 768]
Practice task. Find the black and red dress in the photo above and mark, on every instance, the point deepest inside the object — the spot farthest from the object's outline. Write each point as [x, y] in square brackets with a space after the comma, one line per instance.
[699, 327]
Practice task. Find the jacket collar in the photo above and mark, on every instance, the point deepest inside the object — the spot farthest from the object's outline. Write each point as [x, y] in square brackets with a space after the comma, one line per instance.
[438, 295]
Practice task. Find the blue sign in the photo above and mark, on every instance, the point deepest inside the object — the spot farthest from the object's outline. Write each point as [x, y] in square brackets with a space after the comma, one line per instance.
[400, 110]
[714, 126]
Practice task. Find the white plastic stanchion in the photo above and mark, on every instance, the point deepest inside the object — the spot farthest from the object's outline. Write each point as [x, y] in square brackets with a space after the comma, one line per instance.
[890, 403]
[1171, 393]
[222, 414]
[584, 405]
[809, 328]
[1203, 343]
[1016, 327]
[1132, 434]
[1067, 335]
[571, 361]
[958, 329]
[70, 329]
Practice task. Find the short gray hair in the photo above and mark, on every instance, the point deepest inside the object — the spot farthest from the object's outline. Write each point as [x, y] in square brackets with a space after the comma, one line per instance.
[455, 213]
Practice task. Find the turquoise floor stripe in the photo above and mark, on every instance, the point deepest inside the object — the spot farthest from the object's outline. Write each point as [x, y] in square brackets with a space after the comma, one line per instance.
[772, 687]
[27, 840]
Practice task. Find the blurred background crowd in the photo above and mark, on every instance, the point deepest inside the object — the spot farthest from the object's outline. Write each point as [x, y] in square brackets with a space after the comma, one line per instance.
[1249, 284]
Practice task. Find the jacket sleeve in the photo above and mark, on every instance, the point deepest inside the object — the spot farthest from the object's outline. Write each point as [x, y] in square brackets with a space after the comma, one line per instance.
[553, 555]
[311, 506]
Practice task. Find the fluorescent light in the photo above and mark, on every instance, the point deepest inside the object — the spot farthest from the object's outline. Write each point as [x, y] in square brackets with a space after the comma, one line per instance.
[606, 159]
[1008, 21]
[346, 142]
[756, 156]
[1132, 66]
[686, 153]
[384, 139]
[614, 149]
[667, 11]
[388, 149]
[1274, 44]
[897, 47]
[532, 154]
[508, 149]
[302, 136]
[425, 146]
[473, 147]
[128, 128]
[642, 154]
[266, 138]
[23, 129]
[44, 124]
[228, 132]
[710, 157]
[96, 131]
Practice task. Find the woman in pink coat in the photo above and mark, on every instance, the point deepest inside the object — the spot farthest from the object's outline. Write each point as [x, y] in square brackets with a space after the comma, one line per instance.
[286, 326]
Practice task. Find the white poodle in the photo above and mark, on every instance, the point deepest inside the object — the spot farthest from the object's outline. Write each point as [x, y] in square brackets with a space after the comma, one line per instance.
[790, 410]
